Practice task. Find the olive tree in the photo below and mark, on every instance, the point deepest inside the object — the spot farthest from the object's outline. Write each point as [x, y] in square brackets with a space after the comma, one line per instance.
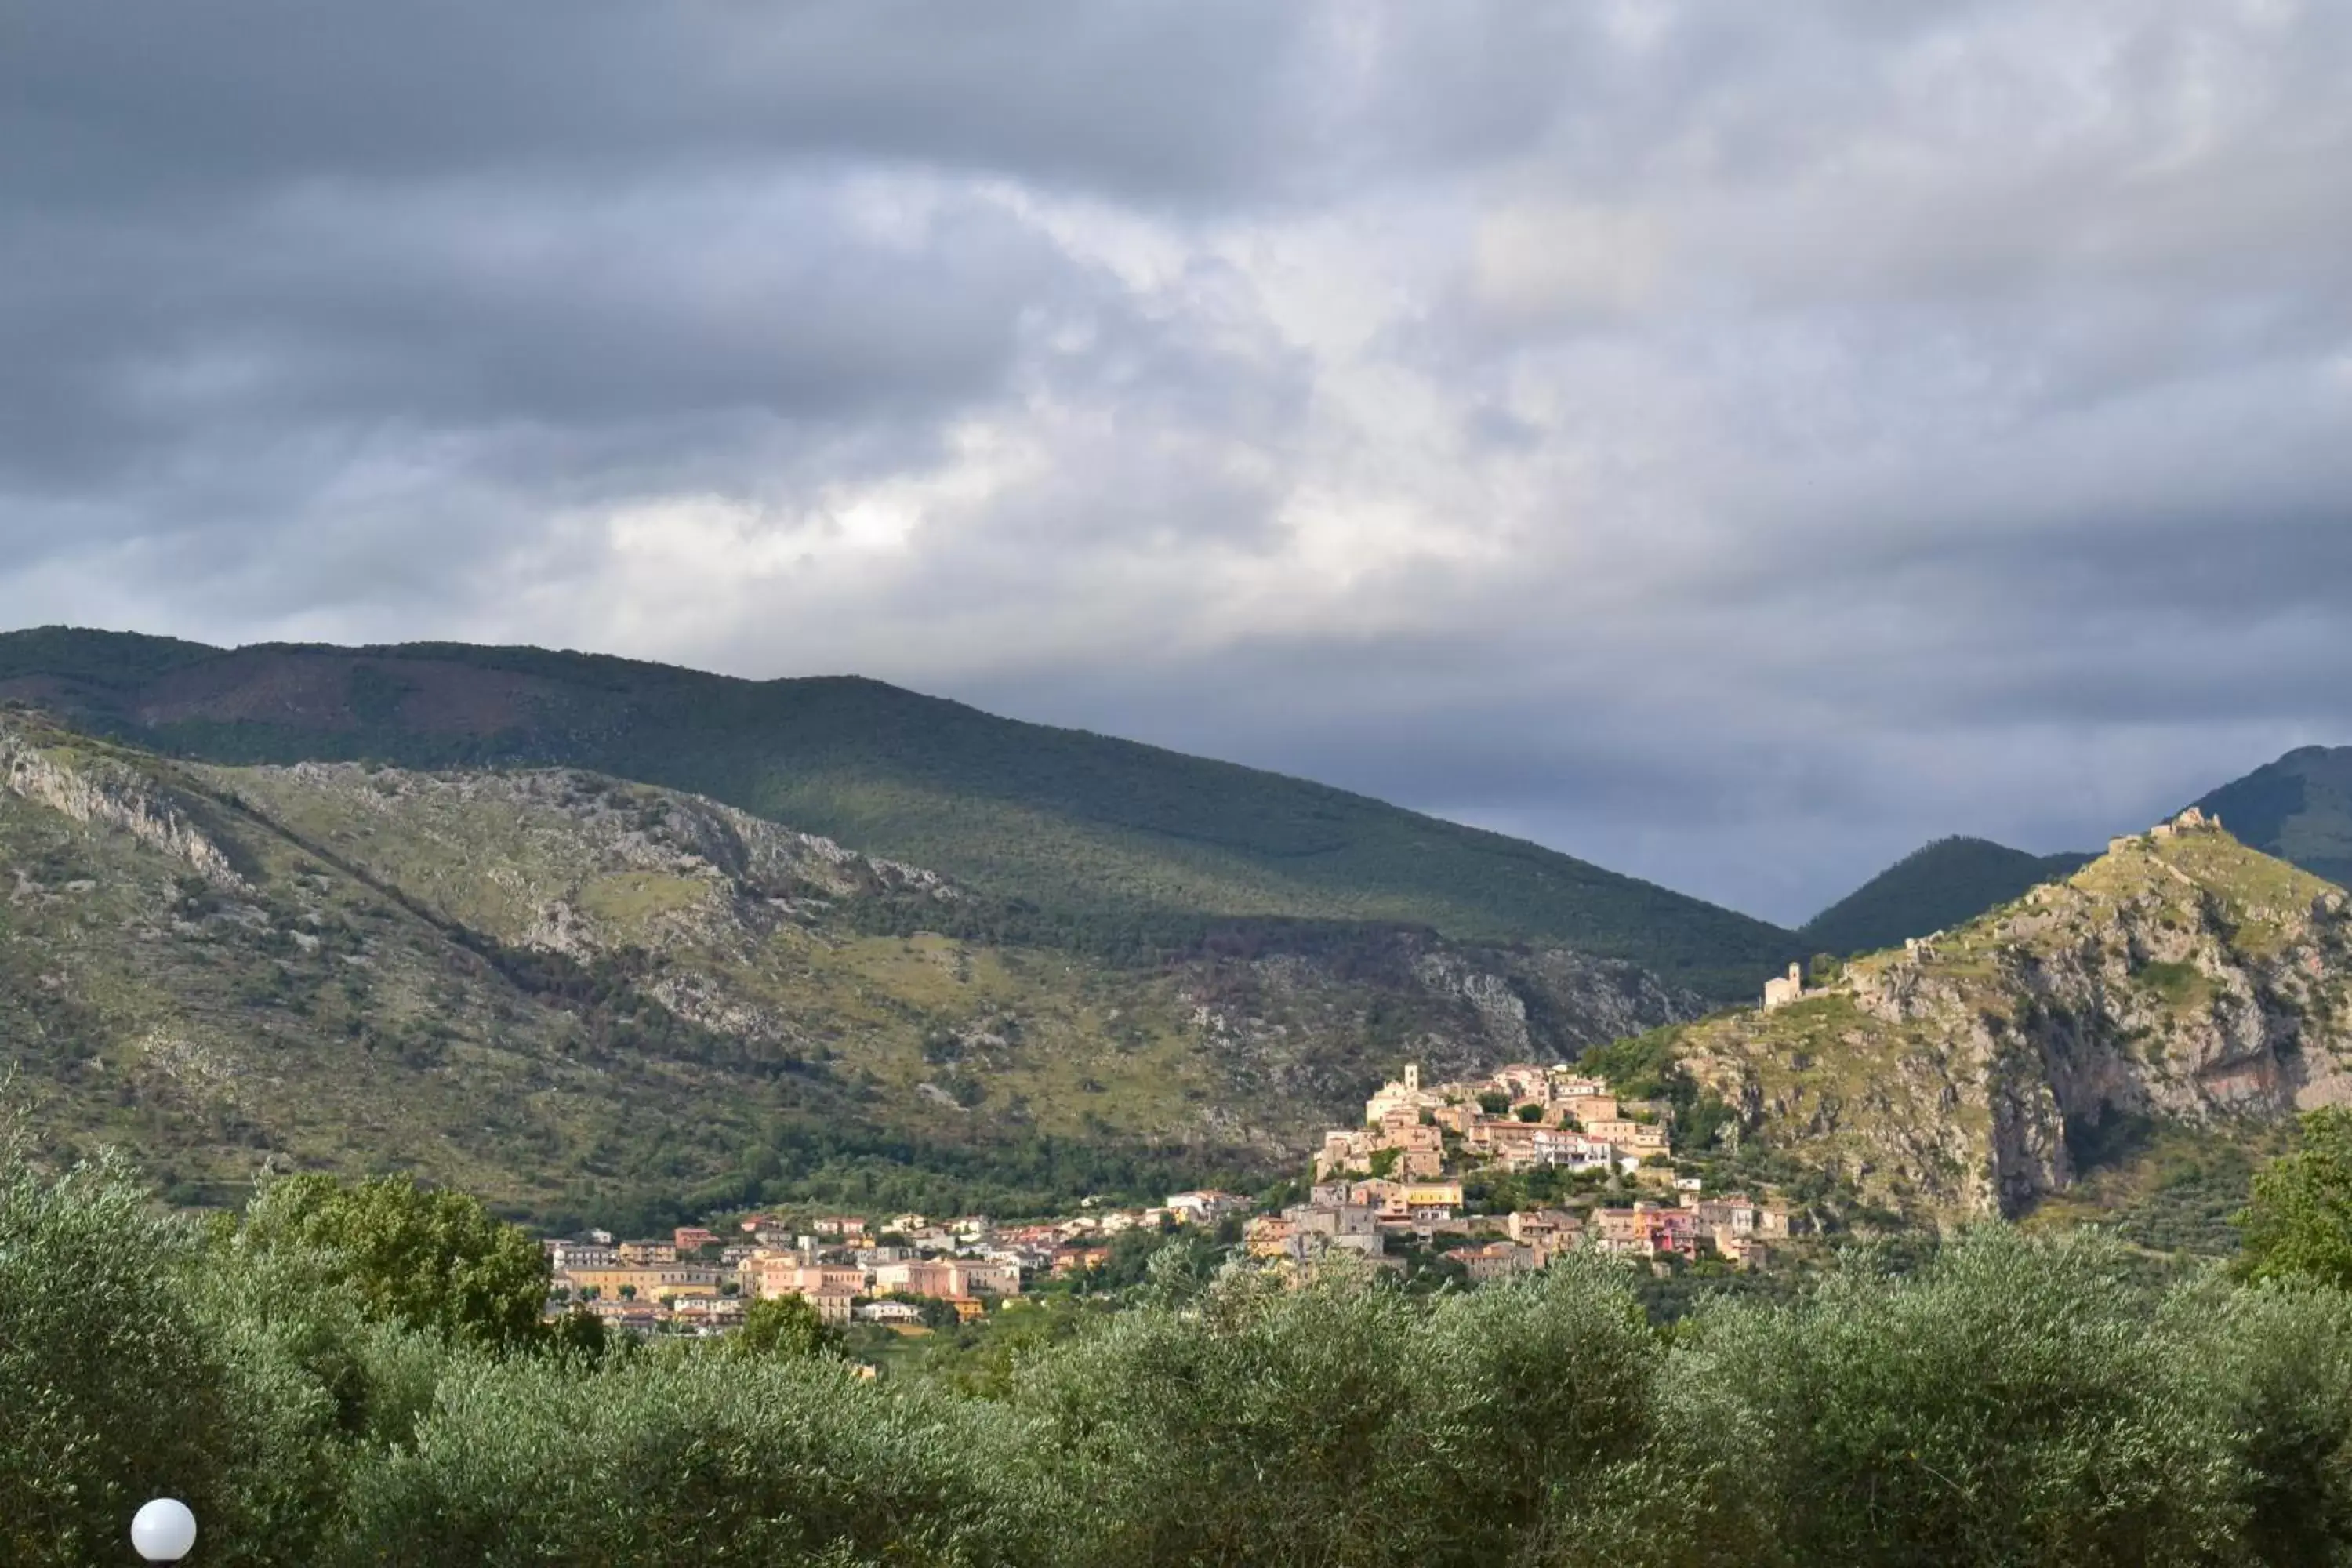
[431, 1259]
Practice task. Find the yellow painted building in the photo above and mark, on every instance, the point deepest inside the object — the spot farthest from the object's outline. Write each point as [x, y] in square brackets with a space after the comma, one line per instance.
[649, 1281]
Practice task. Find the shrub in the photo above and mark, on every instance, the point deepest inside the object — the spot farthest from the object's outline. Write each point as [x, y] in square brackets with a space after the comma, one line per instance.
[784, 1327]
[434, 1260]
[693, 1457]
[2299, 1223]
[111, 1393]
[135, 1363]
[2016, 1402]
[2275, 1364]
[1347, 1422]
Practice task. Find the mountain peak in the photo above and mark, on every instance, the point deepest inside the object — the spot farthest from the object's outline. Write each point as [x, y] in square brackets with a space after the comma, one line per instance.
[2298, 808]
[1937, 885]
[2182, 980]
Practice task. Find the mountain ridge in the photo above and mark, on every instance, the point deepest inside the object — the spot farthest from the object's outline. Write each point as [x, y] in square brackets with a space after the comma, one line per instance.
[1108, 838]
[571, 991]
[2298, 807]
[1942, 883]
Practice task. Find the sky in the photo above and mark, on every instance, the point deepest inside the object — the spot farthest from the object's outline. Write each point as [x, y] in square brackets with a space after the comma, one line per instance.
[1732, 443]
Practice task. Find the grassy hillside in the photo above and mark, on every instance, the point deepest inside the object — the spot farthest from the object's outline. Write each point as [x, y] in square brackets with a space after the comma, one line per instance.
[2298, 808]
[1109, 846]
[1937, 885]
[2116, 1044]
[574, 994]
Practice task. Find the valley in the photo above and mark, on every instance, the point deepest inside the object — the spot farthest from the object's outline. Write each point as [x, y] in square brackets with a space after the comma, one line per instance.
[361, 915]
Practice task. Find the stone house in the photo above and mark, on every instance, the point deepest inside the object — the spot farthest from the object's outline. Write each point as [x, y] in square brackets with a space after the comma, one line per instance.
[790, 1274]
[1497, 1261]
[916, 1276]
[1589, 1108]
[1639, 1138]
[1546, 1230]
[889, 1313]
[1207, 1208]
[1269, 1236]
[1500, 1137]
[644, 1281]
[967, 1278]
[1554, 1147]
[1523, 1081]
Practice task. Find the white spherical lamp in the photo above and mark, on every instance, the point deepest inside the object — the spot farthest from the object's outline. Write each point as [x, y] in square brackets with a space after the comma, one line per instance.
[163, 1530]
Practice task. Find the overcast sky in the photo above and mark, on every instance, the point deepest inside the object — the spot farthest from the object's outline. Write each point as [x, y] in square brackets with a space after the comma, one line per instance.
[1734, 443]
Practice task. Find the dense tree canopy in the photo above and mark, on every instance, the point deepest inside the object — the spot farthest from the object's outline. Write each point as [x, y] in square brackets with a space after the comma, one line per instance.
[2299, 1224]
[2006, 1399]
[429, 1259]
[783, 1328]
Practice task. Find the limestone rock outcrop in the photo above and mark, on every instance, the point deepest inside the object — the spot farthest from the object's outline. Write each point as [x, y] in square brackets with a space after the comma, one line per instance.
[2179, 978]
[89, 788]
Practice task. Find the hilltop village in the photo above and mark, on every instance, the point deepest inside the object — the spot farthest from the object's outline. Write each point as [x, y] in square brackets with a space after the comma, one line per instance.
[1384, 1193]
[1398, 1181]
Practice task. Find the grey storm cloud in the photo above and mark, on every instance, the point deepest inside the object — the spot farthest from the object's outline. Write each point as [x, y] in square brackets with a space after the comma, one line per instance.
[1731, 443]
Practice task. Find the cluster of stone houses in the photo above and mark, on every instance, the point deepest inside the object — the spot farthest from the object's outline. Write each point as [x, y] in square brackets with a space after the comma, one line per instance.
[849, 1269]
[1734, 1227]
[1542, 1117]
[1397, 1177]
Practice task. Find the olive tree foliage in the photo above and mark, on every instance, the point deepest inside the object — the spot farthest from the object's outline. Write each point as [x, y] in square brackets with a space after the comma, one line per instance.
[1347, 1423]
[784, 1327]
[109, 1391]
[136, 1361]
[2299, 1223]
[320, 1390]
[340, 1391]
[430, 1259]
[2022, 1401]
[699, 1457]
[2273, 1364]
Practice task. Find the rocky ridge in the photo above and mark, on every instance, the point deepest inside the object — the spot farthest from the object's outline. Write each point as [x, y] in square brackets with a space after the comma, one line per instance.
[2182, 979]
[91, 786]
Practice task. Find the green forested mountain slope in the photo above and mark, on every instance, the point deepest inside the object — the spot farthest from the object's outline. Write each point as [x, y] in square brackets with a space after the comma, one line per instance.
[2298, 808]
[1940, 885]
[574, 994]
[2123, 1037]
[1112, 845]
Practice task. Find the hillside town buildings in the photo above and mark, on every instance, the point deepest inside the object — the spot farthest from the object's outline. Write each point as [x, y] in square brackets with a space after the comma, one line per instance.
[848, 1268]
[1392, 1188]
[1399, 1177]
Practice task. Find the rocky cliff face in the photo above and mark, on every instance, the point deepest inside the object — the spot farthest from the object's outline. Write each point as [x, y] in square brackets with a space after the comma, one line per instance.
[2182, 979]
[91, 788]
[572, 862]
